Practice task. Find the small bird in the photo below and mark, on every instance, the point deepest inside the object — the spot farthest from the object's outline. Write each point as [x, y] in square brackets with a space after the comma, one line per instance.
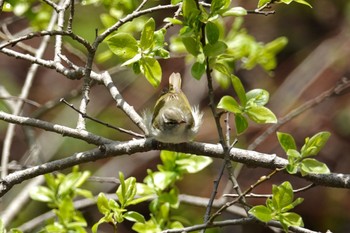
[173, 120]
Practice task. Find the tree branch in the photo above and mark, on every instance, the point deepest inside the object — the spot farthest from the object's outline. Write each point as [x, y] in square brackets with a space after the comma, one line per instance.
[250, 158]
[59, 129]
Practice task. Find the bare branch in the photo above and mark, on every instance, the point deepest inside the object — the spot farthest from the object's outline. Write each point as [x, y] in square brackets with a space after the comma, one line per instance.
[60, 129]
[121, 103]
[23, 95]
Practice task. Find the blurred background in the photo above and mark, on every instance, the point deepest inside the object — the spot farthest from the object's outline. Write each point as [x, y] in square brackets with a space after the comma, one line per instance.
[316, 58]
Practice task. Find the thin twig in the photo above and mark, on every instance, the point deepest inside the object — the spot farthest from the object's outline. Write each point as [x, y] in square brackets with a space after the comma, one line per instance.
[27, 101]
[239, 198]
[31, 35]
[101, 122]
[341, 86]
[141, 5]
[71, 17]
[255, 195]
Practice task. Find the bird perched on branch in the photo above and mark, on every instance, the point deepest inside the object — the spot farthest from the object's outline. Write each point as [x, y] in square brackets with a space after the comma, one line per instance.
[173, 119]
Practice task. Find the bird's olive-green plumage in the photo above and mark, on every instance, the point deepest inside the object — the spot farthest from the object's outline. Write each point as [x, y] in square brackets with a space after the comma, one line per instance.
[173, 119]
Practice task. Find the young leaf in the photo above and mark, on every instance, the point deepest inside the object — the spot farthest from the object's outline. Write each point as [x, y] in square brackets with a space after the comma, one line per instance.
[189, 10]
[213, 50]
[313, 166]
[239, 89]
[198, 70]
[191, 45]
[241, 123]
[303, 2]
[134, 217]
[228, 103]
[315, 144]
[276, 45]
[263, 2]
[212, 32]
[282, 195]
[261, 114]
[123, 45]
[150, 67]
[147, 34]
[41, 193]
[286, 141]
[102, 204]
[235, 11]
[262, 213]
[258, 97]
[290, 219]
[218, 4]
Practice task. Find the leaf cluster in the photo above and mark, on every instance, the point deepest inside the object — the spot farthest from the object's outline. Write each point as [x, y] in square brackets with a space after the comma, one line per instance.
[300, 160]
[251, 106]
[59, 194]
[278, 207]
[161, 185]
[141, 54]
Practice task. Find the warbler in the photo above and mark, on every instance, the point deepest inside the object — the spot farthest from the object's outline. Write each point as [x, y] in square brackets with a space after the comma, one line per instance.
[173, 119]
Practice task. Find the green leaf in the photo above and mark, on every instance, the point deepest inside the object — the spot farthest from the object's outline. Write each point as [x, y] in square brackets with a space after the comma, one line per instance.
[172, 20]
[313, 166]
[190, 10]
[286, 141]
[290, 219]
[235, 11]
[276, 45]
[123, 45]
[282, 195]
[212, 32]
[102, 204]
[198, 70]
[126, 190]
[192, 163]
[263, 2]
[144, 190]
[261, 114]
[213, 50]
[228, 103]
[222, 68]
[152, 70]
[258, 97]
[303, 2]
[68, 183]
[191, 45]
[239, 89]
[174, 2]
[262, 213]
[313, 145]
[41, 193]
[241, 123]
[148, 227]
[134, 217]
[133, 60]
[161, 180]
[293, 161]
[147, 34]
[218, 4]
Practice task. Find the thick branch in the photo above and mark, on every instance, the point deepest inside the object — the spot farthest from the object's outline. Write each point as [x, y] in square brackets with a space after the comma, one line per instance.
[251, 158]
